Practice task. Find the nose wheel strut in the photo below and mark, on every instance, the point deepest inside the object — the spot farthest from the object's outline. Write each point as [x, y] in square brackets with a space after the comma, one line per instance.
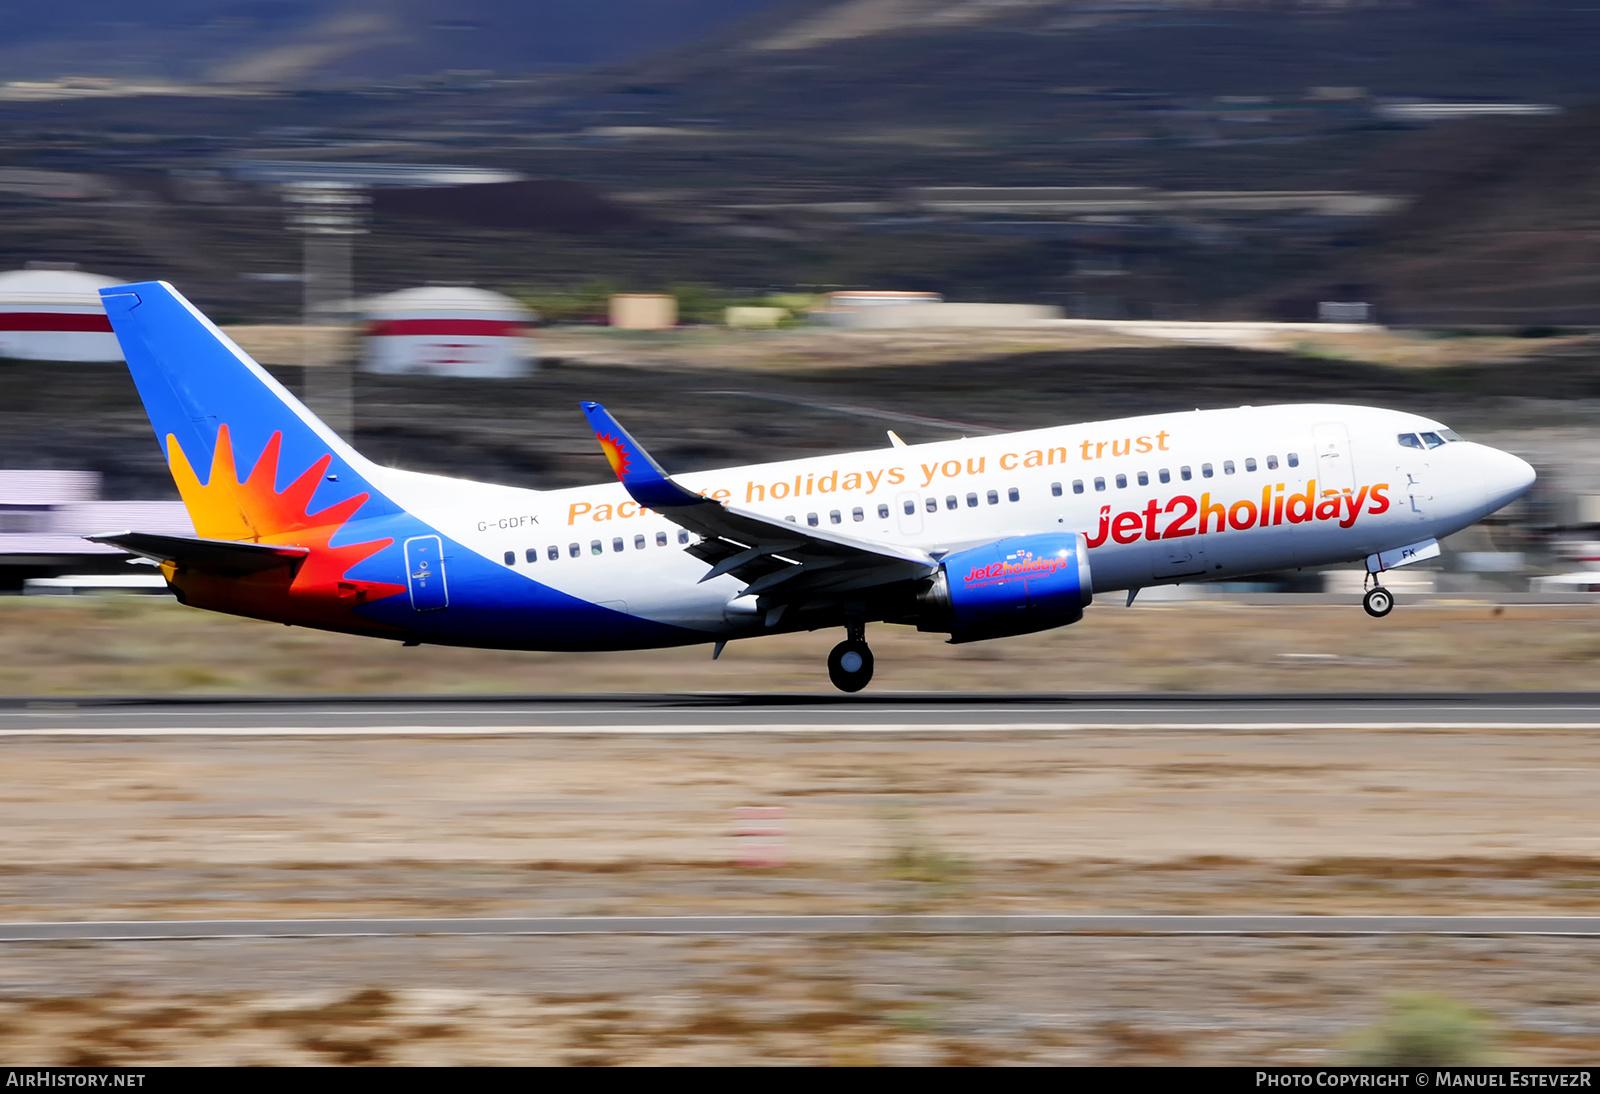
[850, 662]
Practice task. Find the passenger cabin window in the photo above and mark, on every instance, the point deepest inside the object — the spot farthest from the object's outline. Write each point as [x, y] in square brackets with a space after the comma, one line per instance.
[596, 547]
[1250, 464]
[1294, 459]
[1410, 440]
[883, 511]
[1013, 494]
[911, 507]
[1144, 478]
[574, 550]
[661, 539]
[532, 554]
[952, 502]
[1055, 490]
[791, 520]
[511, 558]
[554, 553]
[616, 544]
[638, 543]
[834, 517]
[1099, 484]
[683, 536]
[811, 520]
[994, 497]
[1185, 474]
[858, 514]
[1227, 467]
[1164, 475]
[1205, 471]
[972, 501]
[1077, 486]
[1272, 463]
[931, 504]
[1122, 482]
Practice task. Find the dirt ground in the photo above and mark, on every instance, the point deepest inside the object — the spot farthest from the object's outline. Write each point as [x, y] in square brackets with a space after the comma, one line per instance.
[1135, 820]
[134, 645]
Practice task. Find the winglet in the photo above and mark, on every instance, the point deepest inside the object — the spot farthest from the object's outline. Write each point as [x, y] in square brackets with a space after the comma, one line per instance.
[643, 478]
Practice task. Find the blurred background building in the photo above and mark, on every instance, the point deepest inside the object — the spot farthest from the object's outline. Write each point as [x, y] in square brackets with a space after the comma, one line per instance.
[52, 312]
[448, 330]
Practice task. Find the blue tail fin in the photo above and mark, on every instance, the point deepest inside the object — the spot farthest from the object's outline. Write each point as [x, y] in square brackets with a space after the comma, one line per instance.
[214, 410]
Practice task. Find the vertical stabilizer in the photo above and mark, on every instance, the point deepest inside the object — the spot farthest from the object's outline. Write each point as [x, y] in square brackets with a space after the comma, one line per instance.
[249, 459]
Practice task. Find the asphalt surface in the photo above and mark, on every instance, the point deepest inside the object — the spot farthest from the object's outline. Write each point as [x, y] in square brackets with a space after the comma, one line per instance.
[704, 714]
[1105, 925]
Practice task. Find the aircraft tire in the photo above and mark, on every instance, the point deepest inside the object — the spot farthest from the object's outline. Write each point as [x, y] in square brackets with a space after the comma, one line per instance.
[1378, 602]
[850, 666]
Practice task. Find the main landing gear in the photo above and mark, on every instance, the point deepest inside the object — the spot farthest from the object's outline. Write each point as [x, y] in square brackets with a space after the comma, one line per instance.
[850, 663]
[1378, 601]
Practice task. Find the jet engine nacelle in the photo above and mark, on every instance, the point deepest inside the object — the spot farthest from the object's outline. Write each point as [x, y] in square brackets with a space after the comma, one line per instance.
[1012, 586]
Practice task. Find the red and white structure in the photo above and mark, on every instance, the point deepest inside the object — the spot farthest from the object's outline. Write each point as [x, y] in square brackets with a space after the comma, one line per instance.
[53, 313]
[446, 330]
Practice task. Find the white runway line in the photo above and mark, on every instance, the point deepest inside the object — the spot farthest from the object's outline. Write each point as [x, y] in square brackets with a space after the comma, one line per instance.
[815, 729]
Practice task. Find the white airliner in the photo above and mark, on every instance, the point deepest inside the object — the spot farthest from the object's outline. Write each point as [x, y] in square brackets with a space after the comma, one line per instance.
[977, 538]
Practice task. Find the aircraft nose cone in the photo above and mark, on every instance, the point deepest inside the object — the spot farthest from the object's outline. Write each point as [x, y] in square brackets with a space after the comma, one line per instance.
[1505, 477]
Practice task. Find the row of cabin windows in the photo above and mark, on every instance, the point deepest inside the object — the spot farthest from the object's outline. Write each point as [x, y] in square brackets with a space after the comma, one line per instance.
[951, 501]
[931, 504]
[596, 547]
[1185, 473]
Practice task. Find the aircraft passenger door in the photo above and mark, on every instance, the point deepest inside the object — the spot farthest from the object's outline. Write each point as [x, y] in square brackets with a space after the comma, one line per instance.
[908, 508]
[425, 573]
[1334, 470]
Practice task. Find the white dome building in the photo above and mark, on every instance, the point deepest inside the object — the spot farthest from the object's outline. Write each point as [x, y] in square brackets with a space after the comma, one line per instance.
[53, 313]
[446, 330]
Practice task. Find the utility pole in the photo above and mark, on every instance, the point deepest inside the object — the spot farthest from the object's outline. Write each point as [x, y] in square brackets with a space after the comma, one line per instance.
[329, 215]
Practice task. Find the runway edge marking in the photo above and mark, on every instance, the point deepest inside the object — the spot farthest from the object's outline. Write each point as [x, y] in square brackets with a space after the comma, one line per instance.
[798, 729]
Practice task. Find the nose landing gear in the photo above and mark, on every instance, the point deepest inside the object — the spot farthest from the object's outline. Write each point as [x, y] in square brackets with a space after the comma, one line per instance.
[1378, 602]
[850, 662]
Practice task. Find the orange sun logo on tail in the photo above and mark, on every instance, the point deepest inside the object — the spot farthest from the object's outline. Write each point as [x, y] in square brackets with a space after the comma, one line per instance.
[617, 454]
[227, 507]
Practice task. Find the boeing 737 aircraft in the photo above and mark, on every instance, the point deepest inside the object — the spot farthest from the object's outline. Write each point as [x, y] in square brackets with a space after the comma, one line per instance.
[979, 538]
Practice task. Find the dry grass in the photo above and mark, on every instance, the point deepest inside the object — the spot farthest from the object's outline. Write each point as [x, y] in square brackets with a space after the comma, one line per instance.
[127, 645]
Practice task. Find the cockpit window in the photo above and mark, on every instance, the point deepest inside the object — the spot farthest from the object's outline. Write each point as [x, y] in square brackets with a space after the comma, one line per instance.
[1450, 435]
[1410, 440]
[1432, 440]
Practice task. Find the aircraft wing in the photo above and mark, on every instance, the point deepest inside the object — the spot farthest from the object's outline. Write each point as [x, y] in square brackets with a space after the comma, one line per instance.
[778, 560]
[222, 556]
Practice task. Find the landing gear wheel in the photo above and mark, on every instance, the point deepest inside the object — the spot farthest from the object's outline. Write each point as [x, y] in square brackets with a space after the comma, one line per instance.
[850, 666]
[1378, 602]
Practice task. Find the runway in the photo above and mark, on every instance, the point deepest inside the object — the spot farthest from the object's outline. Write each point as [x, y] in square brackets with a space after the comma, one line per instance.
[1093, 925]
[920, 713]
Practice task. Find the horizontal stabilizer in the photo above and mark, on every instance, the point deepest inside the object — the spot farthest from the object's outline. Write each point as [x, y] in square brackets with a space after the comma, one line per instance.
[221, 556]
